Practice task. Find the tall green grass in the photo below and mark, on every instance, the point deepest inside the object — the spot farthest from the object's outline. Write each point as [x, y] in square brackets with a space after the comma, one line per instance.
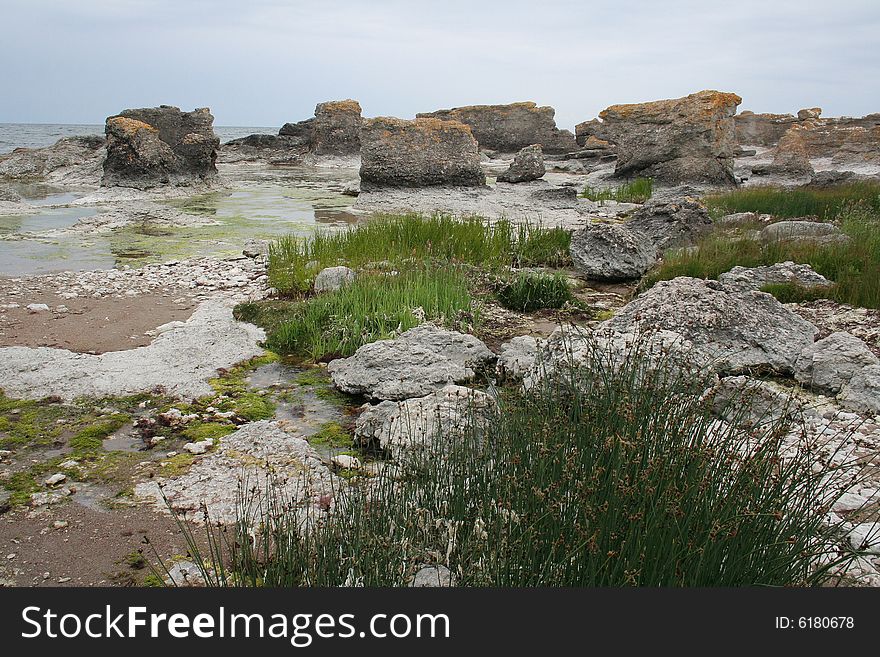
[404, 239]
[637, 191]
[853, 266]
[826, 203]
[609, 475]
[371, 308]
[533, 291]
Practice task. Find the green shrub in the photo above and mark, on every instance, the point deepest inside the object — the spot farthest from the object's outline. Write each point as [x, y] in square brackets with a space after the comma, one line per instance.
[611, 475]
[532, 291]
[637, 191]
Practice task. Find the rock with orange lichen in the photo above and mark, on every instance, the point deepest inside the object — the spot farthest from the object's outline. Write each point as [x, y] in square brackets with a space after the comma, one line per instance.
[157, 146]
[690, 139]
[510, 128]
[418, 153]
[336, 128]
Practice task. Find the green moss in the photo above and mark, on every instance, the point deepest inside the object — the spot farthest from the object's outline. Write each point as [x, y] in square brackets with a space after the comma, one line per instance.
[314, 376]
[331, 434]
[603, 315]
[20, 486]
[90, 439]
[26, 422]
[152, 580]
[206, 431]
[176, 465]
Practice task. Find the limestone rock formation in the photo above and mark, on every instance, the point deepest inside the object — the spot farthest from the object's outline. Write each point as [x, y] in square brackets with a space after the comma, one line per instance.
[274, 149]
[690, 139]
[401, 427]
[611, 252]
[526, 166]
[862, 393]
[418, 153]
[160, 146]
[669, 224]
[414, 364]
[761, 129]
[803, 231]
[336, 128]
[830, 363]
[743, 279]
[75, 160]
[509, 128]
[731, 332]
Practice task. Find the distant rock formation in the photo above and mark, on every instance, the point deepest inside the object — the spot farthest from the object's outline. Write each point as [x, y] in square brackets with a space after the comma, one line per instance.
[526, 166]
[509, 128]
[761, 129]
[160, 146]
[336, 128]
[690, 139]
[418, 153]
[74, 160]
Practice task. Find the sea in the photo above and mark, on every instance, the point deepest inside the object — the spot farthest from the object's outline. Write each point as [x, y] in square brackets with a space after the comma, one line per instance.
[38, 135]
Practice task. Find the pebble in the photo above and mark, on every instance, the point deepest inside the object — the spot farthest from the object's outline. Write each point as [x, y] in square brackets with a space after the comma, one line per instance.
[37, 307]
[55, 479]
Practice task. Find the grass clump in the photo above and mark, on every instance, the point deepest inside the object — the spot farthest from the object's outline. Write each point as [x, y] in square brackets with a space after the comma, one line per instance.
[402, 239]
[637, 191]
[853, 266]
[331, 434]
[610, 474]
[199, 431]
[533, 291]
[826, 203]
[371, 308]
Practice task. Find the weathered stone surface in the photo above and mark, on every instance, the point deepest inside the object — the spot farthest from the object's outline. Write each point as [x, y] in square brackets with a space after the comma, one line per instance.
[160, 146]
[809, 113]
[71, 159]
[830, 363]
[302, 131]
[418, 153]
[527, 165]
[336, 129]
[847, 141]
[791, 157]
[803, 231]
[508, 128]
[414, 364]
[690, 139]
[331, 279]
[754, 278]
[274, 149]
[731, 332]
[517, 357]
[433, 577]
[761, 129]
[747, 402]
[862, 393]
[401, 427]
[611, 252]
[670, 224]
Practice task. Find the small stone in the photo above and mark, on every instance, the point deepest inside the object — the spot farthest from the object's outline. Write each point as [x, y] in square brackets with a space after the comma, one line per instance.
[56, 479]
[432, 576]
[200, 447]
[346, 462]
[37, 307]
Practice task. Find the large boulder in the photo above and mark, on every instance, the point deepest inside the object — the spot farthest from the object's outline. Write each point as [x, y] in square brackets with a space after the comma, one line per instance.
[611, 252]
[336, 128]
[830, 363]
[754, 278]
[803, 231]
[862, 393]
[418, 153]
[526, 166]
[160, 146]
[732, 332]
[414, 364]
[404, 426]
[690, 139]
[669, 224]
[508, 128]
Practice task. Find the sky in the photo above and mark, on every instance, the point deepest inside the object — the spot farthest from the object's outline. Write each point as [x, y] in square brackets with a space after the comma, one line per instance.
[267, 62]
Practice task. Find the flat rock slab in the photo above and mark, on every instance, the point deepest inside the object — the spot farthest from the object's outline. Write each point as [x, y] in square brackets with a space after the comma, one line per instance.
[182, 359]
[247, 458]
[415, 364]
[754, 278]
[732, 332]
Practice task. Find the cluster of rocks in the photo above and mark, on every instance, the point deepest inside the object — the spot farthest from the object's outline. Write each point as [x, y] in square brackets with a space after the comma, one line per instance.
[71, 160]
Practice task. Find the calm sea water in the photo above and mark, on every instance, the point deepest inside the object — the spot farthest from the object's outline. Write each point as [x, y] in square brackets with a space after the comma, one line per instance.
[37, 135]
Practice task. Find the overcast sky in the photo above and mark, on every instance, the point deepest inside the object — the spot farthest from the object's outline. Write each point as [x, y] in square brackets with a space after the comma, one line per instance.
[265, 62]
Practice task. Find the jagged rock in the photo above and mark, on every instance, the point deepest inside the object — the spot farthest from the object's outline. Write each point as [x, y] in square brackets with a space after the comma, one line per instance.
[76, 160]
[517, 357]
[414, 364]
[331, 279]
[611, 252]
[732, 332]
[418, 153]
[803, 231]
[508, 128]
[830, 363]
[302, 131]
[754, 278]
[527, 165]
[690, 139]
[747, 402]
[862, 393]
[273, 149]
[791, 157]
[761, 129]
[809, 113]
[401, 427]
[336, 129]
[160, 146]
[671, 224]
